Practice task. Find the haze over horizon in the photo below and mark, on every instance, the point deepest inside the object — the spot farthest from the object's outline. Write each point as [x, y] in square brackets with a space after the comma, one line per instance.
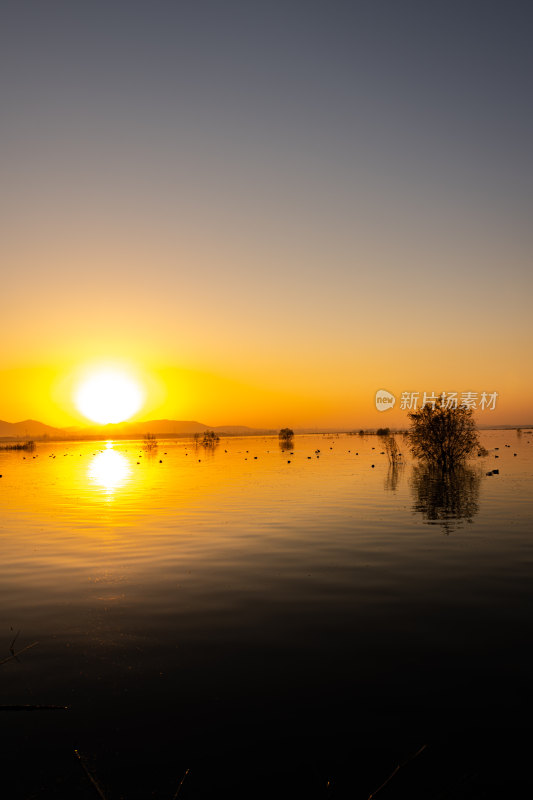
[37, 429]
[266, 212]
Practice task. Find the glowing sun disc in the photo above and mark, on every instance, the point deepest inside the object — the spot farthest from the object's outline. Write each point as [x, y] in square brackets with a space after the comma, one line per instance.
[109, 396]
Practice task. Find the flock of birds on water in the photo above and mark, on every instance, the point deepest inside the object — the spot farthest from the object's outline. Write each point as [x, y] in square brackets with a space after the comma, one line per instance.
[317, 454]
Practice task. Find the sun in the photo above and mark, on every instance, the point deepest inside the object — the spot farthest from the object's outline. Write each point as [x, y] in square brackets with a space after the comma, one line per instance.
[109, 395]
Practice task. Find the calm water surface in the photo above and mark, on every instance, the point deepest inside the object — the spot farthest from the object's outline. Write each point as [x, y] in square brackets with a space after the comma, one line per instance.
[190, 602]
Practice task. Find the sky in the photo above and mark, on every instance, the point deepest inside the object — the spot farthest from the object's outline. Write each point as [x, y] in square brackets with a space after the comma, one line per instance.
[266, 211]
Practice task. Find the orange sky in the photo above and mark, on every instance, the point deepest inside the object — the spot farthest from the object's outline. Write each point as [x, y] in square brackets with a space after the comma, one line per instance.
[266, 228]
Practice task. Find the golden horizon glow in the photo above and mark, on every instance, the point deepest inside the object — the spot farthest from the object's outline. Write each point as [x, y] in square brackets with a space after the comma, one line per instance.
[249, 259]
[109, 396]
[314, 396]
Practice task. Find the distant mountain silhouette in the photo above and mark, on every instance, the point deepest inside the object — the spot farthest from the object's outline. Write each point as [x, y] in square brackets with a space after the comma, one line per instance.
[29, 428]
[32, 429]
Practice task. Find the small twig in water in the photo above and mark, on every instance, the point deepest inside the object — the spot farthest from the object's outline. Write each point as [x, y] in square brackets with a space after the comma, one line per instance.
[12, 645]
[395, 771]
[15, 655]
[180, 784]
[34, 708]
[93, 780]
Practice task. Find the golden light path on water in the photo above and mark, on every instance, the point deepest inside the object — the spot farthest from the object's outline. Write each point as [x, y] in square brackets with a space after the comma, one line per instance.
[109, 470]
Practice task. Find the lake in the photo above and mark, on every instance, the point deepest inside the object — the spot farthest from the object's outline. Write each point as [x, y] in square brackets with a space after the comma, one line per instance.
[278, 622]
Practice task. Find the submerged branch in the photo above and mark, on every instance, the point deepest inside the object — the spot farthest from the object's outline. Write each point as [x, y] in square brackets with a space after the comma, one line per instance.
[15, 655]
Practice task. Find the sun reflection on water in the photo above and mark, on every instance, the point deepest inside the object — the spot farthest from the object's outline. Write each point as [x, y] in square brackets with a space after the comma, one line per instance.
[109, 470]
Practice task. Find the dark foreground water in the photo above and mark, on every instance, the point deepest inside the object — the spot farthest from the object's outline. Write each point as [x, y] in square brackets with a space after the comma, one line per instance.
[277, 629]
